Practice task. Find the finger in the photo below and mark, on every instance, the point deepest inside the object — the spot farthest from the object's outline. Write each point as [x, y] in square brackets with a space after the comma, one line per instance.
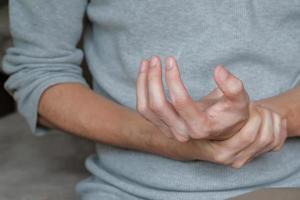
[248, 161]
[141, 86]
[212, 98]
[283, 134]
[233, 146]
[159, 104]
[277, 127]
[276, 120]
[231, 86]
[179, 134]
[142, 98]
[215, 94]
[247, 134]
[182, 101]
[265, 138]
[278, 124]
[275, 130]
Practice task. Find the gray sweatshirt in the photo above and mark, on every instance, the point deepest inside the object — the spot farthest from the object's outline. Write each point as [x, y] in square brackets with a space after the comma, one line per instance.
[259, 41]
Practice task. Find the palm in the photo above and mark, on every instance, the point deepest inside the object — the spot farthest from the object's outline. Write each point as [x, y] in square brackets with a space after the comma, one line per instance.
[217, 109]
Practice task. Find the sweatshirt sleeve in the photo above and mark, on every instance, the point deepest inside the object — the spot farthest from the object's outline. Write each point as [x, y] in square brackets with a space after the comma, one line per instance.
[45, 34]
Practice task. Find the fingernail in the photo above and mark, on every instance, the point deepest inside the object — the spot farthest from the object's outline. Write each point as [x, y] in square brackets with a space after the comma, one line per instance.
[143, 66]
[154, 61]
[222, 73]
[170, 63]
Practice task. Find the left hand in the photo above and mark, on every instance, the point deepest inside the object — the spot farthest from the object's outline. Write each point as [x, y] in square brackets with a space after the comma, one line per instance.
[253, 129]
[219, 115]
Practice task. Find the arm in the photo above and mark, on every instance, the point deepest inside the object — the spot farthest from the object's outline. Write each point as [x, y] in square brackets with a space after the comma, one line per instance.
[44, 53]
[45, 78]
[287, 105]
[262, 130]
[47, 84]
[82, 112]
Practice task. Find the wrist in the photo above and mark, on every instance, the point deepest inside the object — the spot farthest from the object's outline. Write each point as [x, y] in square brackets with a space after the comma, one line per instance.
[275, 105]
[283, 107]
[158, 143]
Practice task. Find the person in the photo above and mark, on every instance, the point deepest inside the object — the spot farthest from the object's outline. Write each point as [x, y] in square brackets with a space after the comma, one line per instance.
[192, 129]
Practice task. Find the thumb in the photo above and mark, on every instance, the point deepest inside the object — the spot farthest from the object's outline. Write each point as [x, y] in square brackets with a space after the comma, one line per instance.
[230, 85]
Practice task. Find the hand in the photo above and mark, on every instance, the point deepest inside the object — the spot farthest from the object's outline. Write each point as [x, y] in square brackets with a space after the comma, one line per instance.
[217, 116]
[264, 131]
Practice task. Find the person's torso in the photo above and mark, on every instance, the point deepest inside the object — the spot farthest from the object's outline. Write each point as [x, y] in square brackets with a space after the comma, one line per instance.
[259, 41]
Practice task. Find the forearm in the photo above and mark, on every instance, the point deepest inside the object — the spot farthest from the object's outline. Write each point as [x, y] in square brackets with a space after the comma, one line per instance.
[79, 111]
[287, 105]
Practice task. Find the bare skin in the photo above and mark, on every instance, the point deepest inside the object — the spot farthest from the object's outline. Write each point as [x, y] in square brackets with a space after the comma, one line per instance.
[217, 116]
[102, 120]
[225, 113]
[82, 112]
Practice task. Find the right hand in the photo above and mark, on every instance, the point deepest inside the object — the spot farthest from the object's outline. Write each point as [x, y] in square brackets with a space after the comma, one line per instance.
[264, 131]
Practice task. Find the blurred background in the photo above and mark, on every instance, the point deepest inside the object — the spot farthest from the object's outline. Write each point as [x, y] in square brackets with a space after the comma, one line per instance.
[6, 102]
[35, 168]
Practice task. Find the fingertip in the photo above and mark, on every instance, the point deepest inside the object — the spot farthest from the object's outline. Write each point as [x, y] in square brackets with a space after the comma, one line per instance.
[143, 65]
[170, 62]
[221, 74]
[277, 149]
[218, 78]
[156, 57]
[154, 61]
[237, 165]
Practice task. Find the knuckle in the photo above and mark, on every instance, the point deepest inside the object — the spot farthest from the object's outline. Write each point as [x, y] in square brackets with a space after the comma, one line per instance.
[237, 165]
[143, 109]
[180, 128]
[181, 138]
[180, 103]
[222, 157]
[196, 131]
[157, 106]
[257, 119]
[267, 140]
[276, 116]
[203, 130]
[267, 114]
